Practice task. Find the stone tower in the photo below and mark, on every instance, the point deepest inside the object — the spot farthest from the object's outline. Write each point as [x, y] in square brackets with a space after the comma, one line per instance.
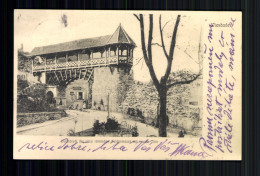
[93, 71]
[111, 82]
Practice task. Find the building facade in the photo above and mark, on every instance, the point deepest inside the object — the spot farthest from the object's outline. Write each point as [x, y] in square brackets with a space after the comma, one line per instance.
[87, 73]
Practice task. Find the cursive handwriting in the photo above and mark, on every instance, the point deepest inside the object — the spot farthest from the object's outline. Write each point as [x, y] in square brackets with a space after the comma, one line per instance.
[111, 145]
[73, 146]
[170, 147]
[41, 146]
[221, 83]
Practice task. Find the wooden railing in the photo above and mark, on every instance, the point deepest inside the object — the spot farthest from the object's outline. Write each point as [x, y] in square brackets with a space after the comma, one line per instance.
[97, 62]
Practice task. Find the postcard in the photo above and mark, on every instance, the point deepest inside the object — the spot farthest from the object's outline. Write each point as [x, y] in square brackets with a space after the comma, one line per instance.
[145, 85]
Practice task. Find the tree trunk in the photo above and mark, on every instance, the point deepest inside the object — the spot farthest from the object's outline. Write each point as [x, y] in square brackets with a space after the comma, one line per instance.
[163, 115]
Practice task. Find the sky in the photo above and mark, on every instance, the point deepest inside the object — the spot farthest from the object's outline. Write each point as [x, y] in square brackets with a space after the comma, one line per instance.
[34, 28]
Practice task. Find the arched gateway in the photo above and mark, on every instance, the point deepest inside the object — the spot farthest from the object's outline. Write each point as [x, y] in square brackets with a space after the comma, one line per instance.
[83, 72]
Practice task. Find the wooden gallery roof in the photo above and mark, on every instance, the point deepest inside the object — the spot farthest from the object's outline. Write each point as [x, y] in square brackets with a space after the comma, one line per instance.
[119, 36]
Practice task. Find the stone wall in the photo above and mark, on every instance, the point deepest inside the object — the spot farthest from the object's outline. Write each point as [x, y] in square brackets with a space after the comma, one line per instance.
[184, 103]
[38, 117]
[143, 97]
[113, 81]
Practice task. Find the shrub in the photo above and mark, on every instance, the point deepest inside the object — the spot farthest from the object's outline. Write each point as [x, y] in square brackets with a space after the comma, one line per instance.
[112, 124]
[96, 127]
[139, 113]
[34, 101]
[135, 132]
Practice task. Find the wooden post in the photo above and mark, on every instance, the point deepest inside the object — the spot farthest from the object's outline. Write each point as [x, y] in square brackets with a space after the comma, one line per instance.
[56, 76]
[55, 62]
[106, 56]
[117, 54]
[109, 54]
[90, 74]
[66, 60]
[45, 63]
[85, 74]
[78, 59]
[127, 54]
[91, 60]
[32, 65]
[61, 75]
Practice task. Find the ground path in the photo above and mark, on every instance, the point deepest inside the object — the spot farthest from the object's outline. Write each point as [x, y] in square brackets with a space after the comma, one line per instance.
[84, 120]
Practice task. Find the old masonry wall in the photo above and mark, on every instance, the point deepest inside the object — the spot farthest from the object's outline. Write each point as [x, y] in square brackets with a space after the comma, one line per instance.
[113, 82]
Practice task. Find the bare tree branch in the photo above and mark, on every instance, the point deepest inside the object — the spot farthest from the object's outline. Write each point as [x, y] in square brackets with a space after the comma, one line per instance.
[173, 41]
[185, 52]
[156, 44]
[163, 46]
[170, 57]
[138, 61]
[150, 38]
[142, 65]
[143, 37]
[183, 82]
[137, 17]
[165, 24]
[148, 60]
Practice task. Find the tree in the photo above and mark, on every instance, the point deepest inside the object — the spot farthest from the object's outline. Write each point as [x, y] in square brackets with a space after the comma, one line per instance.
[162, 86]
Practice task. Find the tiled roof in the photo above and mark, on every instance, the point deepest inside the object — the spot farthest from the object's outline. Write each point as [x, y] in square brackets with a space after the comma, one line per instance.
[119, 36]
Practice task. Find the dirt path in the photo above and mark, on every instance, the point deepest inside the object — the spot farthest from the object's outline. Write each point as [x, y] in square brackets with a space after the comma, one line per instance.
[84, 120]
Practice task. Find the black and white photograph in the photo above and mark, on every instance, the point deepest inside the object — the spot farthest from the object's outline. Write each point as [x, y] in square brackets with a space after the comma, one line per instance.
[104, 75]
[165, 79]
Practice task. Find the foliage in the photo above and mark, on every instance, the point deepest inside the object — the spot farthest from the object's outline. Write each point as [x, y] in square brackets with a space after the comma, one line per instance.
[97, 127]
[112, 124]
[181, 77]
[135, 132]
[34, 101]
[135, 112]
[24, 63]
[22, 84]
